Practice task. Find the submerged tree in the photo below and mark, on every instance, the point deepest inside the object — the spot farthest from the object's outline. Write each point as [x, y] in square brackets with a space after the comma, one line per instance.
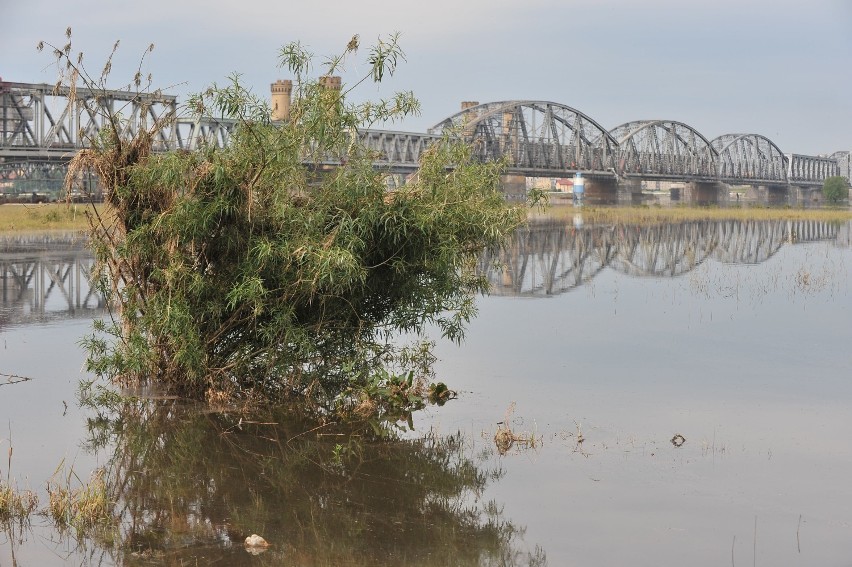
[253, 269]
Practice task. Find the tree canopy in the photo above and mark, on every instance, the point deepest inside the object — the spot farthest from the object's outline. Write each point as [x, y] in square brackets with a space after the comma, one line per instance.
[835, 189]
[255, 270]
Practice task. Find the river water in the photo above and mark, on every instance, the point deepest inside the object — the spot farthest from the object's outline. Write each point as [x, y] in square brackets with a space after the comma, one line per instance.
[674, 395]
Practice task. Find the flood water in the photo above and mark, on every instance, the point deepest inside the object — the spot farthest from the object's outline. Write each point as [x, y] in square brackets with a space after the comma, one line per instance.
[678, 395]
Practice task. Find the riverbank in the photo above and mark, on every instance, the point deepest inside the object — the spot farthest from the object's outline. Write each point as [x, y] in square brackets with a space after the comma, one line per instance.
[65, 216]
[653, 215]
[42, 216]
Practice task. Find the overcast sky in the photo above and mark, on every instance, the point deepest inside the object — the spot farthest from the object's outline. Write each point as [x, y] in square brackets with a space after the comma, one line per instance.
[781, 68]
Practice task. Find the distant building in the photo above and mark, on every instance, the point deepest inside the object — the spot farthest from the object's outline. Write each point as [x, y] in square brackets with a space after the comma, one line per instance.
[565, 184]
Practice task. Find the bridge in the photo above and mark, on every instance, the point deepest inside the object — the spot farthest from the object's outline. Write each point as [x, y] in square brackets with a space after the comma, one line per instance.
[41, 129]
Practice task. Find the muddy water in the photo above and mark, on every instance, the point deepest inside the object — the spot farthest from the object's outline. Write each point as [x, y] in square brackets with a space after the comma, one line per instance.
[679, 395]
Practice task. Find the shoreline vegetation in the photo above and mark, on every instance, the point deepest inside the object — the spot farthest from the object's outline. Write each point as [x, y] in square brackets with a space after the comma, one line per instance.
[41, 217]
[16, 218]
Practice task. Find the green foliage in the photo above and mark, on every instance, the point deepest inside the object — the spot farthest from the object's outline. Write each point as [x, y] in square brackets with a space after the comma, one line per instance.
[255, 269]
[835, 189]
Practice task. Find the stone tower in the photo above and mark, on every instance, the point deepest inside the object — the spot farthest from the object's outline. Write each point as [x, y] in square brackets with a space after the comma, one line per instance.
[330, 82]
[281, 91]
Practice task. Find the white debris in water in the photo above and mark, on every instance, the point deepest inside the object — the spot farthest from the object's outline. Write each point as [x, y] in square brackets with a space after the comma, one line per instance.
[255, 540]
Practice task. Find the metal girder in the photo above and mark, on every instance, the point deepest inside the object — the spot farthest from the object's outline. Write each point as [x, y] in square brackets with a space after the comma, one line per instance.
[660, 149]
[193, 134]
[48, 119]
[749, 157]
[32, 170]
[813, 170]
[44, 123]
[396, 150]
[535, 137]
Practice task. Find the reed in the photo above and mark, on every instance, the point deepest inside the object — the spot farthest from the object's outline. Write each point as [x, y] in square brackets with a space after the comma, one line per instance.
[14, 504]
[85, 507]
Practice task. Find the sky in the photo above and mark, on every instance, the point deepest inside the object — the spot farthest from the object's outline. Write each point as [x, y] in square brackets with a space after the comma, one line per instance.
[779, 68]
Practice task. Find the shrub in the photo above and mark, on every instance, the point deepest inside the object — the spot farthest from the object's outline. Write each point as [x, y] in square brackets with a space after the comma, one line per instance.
[255, 269]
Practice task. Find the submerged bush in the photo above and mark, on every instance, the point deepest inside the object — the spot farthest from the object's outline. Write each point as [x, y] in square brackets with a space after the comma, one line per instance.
[254, 269]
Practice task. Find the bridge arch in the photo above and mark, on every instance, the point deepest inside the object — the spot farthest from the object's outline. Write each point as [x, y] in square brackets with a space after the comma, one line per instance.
[750, 157]
[663, 148]
[537, 137]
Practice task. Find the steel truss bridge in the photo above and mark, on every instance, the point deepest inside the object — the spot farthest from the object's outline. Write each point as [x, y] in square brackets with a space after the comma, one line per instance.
[45, 279]
[547, 138]
[41, 129]
[551, 257]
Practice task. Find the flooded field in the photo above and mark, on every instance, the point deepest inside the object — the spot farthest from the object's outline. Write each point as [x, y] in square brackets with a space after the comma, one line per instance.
[658, 395]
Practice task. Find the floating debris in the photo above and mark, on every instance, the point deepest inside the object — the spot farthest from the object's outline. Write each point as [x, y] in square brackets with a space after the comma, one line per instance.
[678, 440]
[256, 544]
[504, 438]
[255, 540]
[6, 379]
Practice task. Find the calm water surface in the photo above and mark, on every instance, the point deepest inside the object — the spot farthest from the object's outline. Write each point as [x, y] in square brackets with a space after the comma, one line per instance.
[734, 336]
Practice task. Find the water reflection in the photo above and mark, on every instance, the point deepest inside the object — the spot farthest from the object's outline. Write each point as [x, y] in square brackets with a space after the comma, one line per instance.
[45, 278]
[193, 484]
[551, 256]
[765, 379]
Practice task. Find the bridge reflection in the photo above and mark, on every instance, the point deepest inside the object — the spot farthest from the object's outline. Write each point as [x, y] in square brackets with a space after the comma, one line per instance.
[48, 278]
[45, 279]
[550, 257]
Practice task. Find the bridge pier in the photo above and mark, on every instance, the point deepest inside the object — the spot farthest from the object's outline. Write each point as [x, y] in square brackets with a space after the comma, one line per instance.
[802, 196]
[629, 191]
[705, 193]
[602, 191]
[772, 195]
[514, 186]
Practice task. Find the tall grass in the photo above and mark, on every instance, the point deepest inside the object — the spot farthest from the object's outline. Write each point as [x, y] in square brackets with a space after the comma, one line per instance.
[42, 216]
[62, 216]
[653, 215]
[16, 505]
[85, 507]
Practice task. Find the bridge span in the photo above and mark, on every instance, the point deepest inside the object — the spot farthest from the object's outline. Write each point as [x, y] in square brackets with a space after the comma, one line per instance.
[41, 129]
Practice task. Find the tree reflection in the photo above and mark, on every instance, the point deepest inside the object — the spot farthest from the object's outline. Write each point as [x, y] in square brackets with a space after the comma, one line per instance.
[191, 484]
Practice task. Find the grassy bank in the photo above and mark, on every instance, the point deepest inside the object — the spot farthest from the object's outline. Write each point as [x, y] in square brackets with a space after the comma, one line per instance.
[43, 216]
[653, 215]
[62, 216]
